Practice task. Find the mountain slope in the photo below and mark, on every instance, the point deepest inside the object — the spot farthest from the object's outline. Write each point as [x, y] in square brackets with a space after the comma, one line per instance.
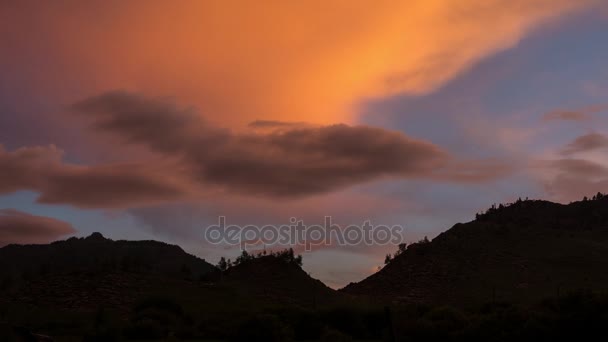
[95, 254]
[88, 273]
[521, 252]
[274, 280]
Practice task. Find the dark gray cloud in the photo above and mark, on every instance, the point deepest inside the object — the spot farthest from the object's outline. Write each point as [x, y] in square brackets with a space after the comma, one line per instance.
[474, 171]
[194, 158]
[155, 122]
[585, 143]
[275, 124]
[567, 188]
[580, 168]
[575, 178]
[115, 185]
[41, 169]
[287, 163]
[566, 115]
[24, 228]
[581, 114]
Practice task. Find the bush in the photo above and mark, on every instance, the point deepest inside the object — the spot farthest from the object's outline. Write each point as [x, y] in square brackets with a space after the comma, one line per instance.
[263, 327]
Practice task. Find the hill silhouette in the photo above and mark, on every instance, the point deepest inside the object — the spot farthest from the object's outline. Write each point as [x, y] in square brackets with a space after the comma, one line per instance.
[276, 280]
[515, 271]
[517, 252]
[86, 273]
[96, 253]
[150, 290]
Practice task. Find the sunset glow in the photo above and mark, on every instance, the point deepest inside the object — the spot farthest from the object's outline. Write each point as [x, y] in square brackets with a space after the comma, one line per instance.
[149, 119]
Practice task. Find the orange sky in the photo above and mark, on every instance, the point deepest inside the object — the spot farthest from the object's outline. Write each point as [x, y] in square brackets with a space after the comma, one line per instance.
[238, 61]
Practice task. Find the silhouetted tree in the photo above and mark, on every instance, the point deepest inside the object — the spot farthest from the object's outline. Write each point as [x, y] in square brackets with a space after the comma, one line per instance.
[222, 264]
[245, 256]
[298, 260]
[287, 255]
[402, 247]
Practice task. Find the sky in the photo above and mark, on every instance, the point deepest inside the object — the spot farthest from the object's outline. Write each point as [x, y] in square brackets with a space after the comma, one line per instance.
[149, 120]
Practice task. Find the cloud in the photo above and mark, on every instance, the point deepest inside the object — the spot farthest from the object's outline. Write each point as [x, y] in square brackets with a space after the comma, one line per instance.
[574, 178]
[474, 171]
[193, 159]
[156, 122]
[24, 228]
[288, 162]
[272, 124]
[581, 114]
[21, 168]
[110, 186]
[315, 160]
[41, 169]
[292, 162]
[566, 115]
[565, 188]
[579, 168]
[586, 143]
[309, 61]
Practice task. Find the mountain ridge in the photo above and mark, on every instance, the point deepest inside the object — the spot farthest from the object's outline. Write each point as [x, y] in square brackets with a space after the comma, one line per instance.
[514, 252]
[96, 253]
[517, 251]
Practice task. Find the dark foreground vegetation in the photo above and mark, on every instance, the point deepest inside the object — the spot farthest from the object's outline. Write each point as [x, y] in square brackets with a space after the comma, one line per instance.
[528, 270]
[571, 317]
